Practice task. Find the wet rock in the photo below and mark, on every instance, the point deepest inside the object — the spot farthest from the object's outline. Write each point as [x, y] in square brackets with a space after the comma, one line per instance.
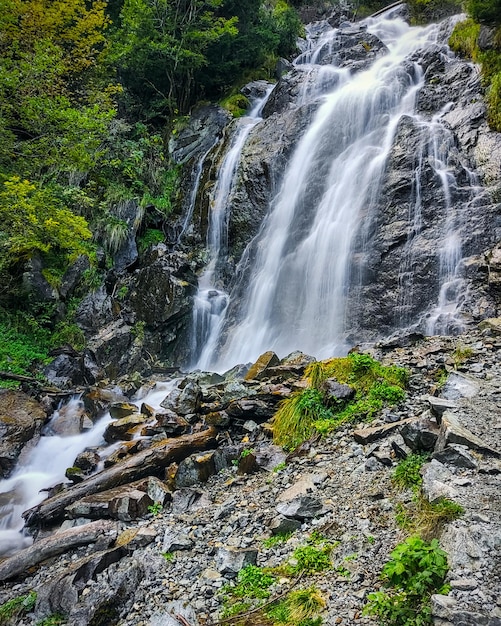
[301, 508]
[21, 419]
[421, 434]
[65, 371]
[68, 420]
[184, 401]
[119, 410]
[252, 408]
[87, 460]
[123, 429]
[229, 561]
[170, 423]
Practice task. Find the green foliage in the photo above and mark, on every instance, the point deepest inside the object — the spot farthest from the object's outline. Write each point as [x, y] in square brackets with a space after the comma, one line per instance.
[464, 41]
[485, 11]
[20, 353]
[16, 607]
[309, 410]
[275, 540]
[53, 620]
[155, 508]
[424, 11]
[427, 518]
[461, 354]
[150, 237]
[252, 582]
[169, 556]
[310, 559]
[407, 474]
[416, 570]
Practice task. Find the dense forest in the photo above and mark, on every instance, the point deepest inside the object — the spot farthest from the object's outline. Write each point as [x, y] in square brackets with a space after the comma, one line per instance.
[90, 93]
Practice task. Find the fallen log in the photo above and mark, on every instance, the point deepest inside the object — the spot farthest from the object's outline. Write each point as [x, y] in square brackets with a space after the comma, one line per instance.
[148, 462]
[55, 544]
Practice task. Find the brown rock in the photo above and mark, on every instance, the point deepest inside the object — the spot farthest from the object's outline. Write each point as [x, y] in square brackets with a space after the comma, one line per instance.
[257, 371]
[367, 435]
[119, 410]
[123, 429]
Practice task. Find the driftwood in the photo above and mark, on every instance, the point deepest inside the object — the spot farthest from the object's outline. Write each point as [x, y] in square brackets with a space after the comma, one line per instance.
[52, 546]
[148, 462]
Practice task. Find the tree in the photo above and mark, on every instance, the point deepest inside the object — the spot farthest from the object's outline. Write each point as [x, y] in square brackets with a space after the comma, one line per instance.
[485, 11]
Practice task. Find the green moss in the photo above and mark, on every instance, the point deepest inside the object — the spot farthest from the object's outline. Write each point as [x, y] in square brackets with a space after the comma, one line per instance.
[16, 607]
[309, 411]
[237, 104]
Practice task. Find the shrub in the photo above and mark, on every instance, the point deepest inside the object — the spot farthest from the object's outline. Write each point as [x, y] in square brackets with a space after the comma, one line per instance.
[407, 474]
[415, 570]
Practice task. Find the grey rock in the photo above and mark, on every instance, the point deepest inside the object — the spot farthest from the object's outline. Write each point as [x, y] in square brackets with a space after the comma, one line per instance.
[452, 431]
[73, 276]
[176, 540]
[301, 508]
[421, 434]
[436, 482]
[457, 456]
[440, 405]
[229, 561]
[195, 469]
[336, 391]
[281, 525]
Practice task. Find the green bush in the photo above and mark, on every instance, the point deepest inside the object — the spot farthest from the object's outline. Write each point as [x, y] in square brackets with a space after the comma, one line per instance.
[416, 570]
[485, 11]
[407, 474]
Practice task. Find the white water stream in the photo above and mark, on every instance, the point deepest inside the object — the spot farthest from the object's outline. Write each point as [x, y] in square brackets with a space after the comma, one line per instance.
[296, 293]
[211, 301]
[45, 466]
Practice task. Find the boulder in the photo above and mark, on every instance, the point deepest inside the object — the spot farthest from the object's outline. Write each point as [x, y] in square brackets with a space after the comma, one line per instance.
[257, 371]
[195, 469]
[452, 431]
[21, 419]
[123, 429]
[457, 456]
[229, 561]
[301, 508]
[368, 435]
[335, 391]
[119, 410]
[421, 434]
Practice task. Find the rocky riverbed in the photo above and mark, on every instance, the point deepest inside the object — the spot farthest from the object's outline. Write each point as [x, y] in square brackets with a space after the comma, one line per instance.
[125, 559]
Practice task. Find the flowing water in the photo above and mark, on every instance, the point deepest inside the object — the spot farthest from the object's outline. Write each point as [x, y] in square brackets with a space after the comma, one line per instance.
[296, 293]
[46, 464]
[211, 300]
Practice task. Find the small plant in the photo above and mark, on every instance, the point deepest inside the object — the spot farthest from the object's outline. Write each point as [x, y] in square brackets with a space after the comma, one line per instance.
[275, 540]
[310, 559]
[17, 606]
[252, 587]
[151, 237]
[416, 570]
[246, 452]
[299, 608]
[279, 467]
[122, 292]
[155, 508]
[407, 474]
[53, 620]
[427, 518]
[137, 330]
[460, 355]
[371, 539]
[169, 556]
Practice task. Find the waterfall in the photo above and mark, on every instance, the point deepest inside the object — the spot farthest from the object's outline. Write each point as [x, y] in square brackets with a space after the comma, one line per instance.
[211, 300]
[296, 291]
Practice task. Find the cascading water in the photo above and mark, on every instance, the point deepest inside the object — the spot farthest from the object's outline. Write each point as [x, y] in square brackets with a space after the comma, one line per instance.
[211, 301]
[45, 466]
[298, 283]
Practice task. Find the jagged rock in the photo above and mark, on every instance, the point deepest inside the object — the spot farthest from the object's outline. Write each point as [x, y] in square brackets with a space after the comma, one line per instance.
[494, 265]
[452, 431]
[140, 465]
[119, 410]
[195, 469]
[247, 464]
[352, 47]
[184, 401]
[65, 371]
[21, 419]
[229, 561]
[270, 457]
[368, 435]
[218, 418]
[459, 386]
[436, 482]
[187, 500]
[170, 423]
[254, 408]
[122, 503]
[73, 276]
[399, 447]
[35, 285]
[94, 311]
[257, 371]
[97, 399]
[440, 405]
[123, 429]
[282, 525]
[205, 126]
[176, 540]
[456, 455]
[421, 434]
[301, 508]
[334, 391]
